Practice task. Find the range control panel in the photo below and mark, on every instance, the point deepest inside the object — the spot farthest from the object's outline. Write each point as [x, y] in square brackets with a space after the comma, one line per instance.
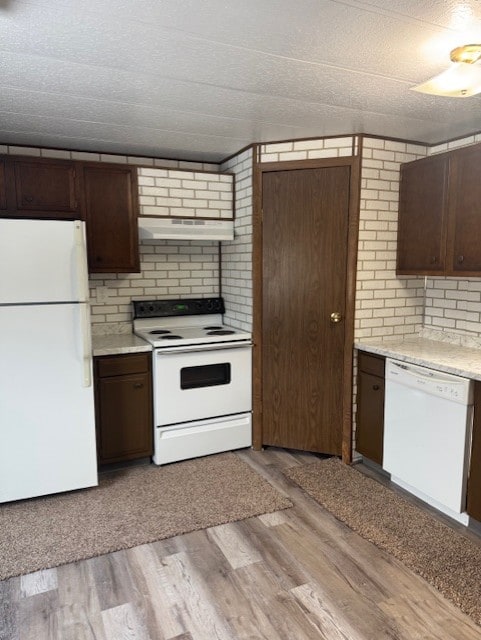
[181, 307]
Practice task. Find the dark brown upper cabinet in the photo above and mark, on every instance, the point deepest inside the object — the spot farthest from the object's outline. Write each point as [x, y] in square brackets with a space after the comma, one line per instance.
[421, 241]
[40, 188]
[439, 231]
[464, 220]
[110, 208]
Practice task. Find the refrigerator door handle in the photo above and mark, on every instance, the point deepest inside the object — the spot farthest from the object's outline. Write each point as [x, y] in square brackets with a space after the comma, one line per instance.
[86, 344]
[81, 261]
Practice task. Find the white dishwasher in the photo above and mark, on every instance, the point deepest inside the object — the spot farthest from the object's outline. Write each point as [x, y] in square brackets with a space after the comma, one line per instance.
[427, 434]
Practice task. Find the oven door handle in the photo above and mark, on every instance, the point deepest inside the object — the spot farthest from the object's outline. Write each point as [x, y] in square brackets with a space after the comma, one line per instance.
[207, 347]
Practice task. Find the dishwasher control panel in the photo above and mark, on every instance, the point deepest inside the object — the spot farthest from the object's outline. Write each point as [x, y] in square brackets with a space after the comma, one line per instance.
[436, 383]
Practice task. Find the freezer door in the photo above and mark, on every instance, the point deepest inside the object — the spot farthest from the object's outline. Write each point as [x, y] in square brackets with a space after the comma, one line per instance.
[47, 425]
[42, 261]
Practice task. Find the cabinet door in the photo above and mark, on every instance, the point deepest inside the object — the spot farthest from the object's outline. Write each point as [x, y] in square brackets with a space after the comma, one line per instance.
[474, 479]
[370, 415]
[464, 236]
[111, 209]
[125, 417]
[42, 188]
[422, 216]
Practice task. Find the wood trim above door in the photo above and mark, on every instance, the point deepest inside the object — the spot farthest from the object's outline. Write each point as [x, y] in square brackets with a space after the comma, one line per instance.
[354, 204]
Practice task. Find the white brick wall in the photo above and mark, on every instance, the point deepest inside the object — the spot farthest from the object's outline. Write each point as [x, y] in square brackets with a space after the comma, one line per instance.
[307, 149]
[237, 255]
[171, 192]
[170, 269]
[453, 306]
[455, 144]
[386, 305]
[103, 157]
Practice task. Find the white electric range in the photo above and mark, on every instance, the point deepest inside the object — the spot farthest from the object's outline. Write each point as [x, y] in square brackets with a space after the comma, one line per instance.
[202, 377]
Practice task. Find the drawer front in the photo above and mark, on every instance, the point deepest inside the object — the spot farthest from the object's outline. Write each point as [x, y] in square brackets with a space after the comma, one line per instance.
[122, 364]
[371, 364]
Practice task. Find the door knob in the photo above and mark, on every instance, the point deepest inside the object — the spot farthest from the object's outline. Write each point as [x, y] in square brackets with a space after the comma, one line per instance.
[336, 317]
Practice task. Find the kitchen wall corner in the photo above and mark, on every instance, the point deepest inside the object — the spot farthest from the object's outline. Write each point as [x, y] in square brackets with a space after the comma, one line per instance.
[236, 261]
[386, 305]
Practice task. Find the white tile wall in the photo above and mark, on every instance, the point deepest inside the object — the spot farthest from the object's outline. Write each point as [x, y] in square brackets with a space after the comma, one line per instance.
[169, 269]
[386, 305]
[237, 255]
[102, 157]
[307, 149]
[177, 193]
[453, 305]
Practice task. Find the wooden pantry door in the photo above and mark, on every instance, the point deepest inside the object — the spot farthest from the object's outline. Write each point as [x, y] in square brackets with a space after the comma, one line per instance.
[305, 372]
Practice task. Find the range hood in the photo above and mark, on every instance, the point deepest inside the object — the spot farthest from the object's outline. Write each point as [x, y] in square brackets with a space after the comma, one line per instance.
[185, 229]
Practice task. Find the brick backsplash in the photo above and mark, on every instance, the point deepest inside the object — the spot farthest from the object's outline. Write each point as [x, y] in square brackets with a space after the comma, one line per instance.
[171, 192]
[169, 269]
[453, 305]
[237, 255]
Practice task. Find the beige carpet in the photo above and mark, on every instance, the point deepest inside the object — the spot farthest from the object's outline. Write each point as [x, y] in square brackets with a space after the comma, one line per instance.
[448, 560]
[131, 507]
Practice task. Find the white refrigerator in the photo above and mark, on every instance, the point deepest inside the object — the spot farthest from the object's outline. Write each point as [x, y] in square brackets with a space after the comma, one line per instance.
[47, 420]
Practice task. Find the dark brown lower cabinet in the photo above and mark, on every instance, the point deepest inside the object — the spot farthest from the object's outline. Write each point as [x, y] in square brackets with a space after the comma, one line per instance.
[370, 406]
[123, 397]
[474, 479]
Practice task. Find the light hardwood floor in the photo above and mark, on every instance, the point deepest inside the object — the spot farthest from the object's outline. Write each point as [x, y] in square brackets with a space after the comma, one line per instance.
[292, 575]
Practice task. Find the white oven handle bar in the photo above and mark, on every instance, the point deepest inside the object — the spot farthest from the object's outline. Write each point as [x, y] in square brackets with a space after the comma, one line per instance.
[207, 347]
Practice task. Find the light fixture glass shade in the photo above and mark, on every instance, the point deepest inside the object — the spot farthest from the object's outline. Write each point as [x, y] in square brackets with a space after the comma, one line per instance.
[461, 80]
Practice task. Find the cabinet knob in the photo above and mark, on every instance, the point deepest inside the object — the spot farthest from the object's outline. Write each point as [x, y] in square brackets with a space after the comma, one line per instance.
[336, 317]
[375, 387]
[460, 259]
[138, 385]
[28, 198]
[434, 259]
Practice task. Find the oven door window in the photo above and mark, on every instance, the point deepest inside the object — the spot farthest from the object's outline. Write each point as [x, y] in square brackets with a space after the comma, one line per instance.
[207, 375]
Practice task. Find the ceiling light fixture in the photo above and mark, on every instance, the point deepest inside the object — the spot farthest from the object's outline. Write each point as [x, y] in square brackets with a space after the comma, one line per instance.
[462, 79]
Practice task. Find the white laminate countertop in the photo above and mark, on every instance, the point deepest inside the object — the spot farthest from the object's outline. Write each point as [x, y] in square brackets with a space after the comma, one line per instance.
[118, 343]
[442, 356]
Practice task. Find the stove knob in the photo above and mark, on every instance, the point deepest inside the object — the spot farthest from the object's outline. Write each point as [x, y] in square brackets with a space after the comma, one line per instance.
[210, 305]
[151, 308]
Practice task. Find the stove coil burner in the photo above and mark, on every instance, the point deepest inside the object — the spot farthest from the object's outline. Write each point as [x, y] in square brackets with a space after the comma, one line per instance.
[171, 337]
[211, 328]
[159, 332]
[221, 332]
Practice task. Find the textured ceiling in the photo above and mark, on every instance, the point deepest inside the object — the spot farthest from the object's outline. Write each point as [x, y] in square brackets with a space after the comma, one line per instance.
[200, 79]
